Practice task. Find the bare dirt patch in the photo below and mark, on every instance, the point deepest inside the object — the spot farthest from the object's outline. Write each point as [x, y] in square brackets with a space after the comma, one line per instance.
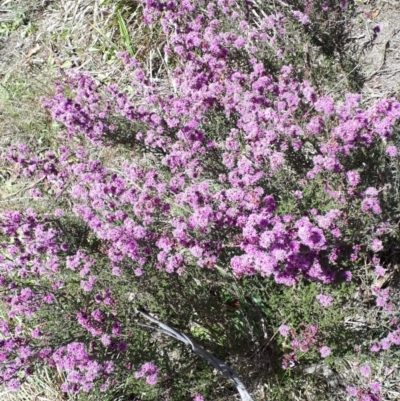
[376, 34]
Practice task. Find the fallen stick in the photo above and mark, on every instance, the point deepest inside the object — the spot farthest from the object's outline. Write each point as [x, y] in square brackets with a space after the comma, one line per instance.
[217, 363]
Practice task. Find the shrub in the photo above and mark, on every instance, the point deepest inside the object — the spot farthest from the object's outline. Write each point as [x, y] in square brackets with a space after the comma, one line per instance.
[231, 166]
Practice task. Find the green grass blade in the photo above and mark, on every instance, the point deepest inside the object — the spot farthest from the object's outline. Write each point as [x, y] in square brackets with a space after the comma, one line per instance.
[124, 33]
[106, 40]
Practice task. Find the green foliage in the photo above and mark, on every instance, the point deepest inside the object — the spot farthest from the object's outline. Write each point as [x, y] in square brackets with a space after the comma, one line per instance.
[15, 21]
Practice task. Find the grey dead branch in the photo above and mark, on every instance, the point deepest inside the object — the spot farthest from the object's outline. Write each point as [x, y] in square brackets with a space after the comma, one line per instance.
[228, 372]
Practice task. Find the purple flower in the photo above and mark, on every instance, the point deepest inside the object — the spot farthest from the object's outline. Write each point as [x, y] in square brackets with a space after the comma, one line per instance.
[139, 374]
[365, 370]
[324, 351]
[353, 178]
[375, 348]
[284, 330]
[74, 377]
[324, 300]
[348, 275]
[301, 17]
[310, 235]
[371, 191]
[48, 299]
[152, 379]
[4, 328]
[381, 301]
[13, 384]
[376, 29]
[116, 271]
[149, 371]
[86, 387]
[97, 315]
[25, 352]
[380, 271]
[149, 368]
[35, 193]
[87, 285]
[239, 42]
[276, 160]
[376, 245]
[375, 387]
[116, 329]
[105, 340]
[371, 204]
[109, 367]
[36, 333]
[391, 151]
[352, 391]
[122, 347]
[298, 194]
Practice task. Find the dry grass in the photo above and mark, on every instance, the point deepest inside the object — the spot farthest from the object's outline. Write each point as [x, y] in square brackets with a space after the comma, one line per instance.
[42, 386]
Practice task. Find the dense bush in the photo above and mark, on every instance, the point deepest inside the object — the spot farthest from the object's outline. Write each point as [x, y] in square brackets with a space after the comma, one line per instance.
[229, 166]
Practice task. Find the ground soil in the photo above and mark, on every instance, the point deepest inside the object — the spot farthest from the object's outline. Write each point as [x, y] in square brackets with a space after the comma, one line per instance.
[379, 57]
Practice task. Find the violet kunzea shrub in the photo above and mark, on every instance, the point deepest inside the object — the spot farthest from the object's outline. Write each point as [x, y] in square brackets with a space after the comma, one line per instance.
[228, 166]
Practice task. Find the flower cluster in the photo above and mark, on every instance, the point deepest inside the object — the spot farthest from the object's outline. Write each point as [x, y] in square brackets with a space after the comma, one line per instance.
[324, 300]
[368, 392]
[148, 371]
[252, 151]
[393, 338]
[81, 370]
[302, 341]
